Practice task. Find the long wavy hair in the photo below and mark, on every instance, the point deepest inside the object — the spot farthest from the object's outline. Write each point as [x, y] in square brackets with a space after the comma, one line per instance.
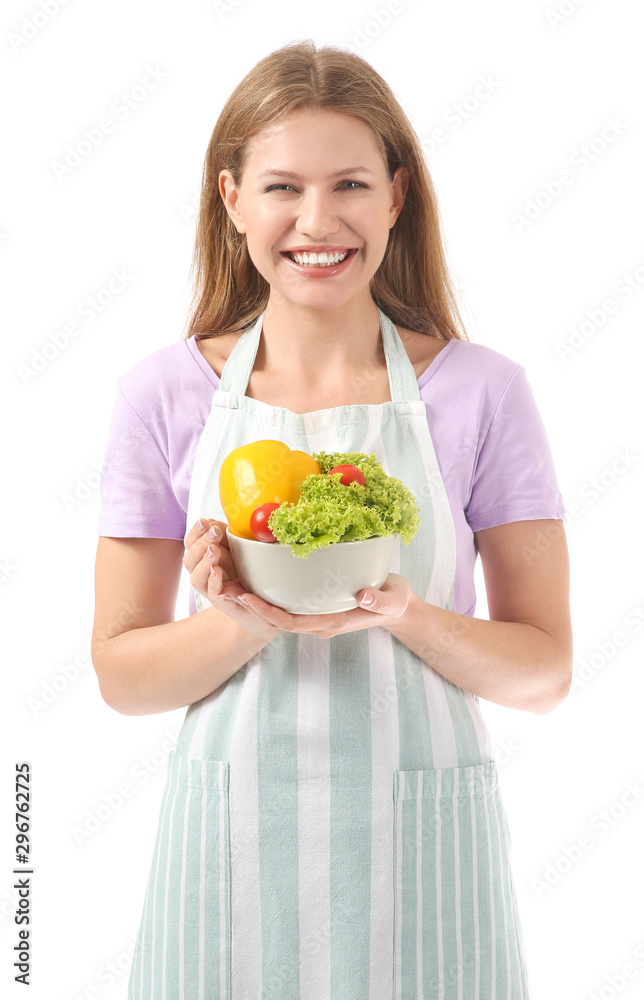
[412, 284]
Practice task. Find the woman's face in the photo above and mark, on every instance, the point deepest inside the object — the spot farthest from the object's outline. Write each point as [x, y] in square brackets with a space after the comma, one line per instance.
[302, 206]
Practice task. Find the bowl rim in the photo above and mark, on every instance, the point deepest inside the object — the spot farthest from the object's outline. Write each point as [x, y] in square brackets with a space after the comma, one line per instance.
[279, 546]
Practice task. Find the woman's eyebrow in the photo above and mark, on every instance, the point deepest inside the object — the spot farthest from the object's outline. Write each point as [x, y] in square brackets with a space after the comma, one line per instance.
[297, 177]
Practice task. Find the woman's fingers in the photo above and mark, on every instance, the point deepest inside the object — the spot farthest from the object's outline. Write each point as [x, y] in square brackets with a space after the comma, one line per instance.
[198, 539]
[225, 598]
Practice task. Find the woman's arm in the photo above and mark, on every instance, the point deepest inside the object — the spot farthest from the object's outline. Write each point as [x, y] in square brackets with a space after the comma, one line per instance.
[145, 661]
[522, 656]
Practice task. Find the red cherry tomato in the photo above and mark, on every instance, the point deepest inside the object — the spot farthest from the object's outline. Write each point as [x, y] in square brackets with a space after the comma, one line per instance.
[259, 522]
[350, 474]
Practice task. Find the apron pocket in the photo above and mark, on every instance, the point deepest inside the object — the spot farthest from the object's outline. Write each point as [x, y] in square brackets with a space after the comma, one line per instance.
[456, 927]
[184, 941]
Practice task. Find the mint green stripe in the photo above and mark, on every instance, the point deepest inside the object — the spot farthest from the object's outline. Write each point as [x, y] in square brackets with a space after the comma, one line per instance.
[468, 887]
[404, 461]
[191, 902]
[518, 945]
[205, 783]
[450, 599]
[217, 860]
[221, 721]
[159, 928]
[414, 726]
[188, 727]
[277, 783]
[444, 792]
[468, 751]
[139, 984]
[429, 942]
[519, 975]
[411, 804]
[447, 878]
[169, 914]
[416, 561]
[398, 780]
[350, 819]
[403, 383]
[501, 896]
[481, 849]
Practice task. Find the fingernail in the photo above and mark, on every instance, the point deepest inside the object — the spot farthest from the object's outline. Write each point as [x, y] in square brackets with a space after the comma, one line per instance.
[214, 532]
[225, 597]
[367, 599]
[200, 525]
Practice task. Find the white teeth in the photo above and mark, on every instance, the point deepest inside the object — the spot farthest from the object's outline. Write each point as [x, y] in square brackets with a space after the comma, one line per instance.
[319, 259]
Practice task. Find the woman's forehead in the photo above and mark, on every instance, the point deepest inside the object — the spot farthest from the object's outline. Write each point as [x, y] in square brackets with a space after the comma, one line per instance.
[300, 131]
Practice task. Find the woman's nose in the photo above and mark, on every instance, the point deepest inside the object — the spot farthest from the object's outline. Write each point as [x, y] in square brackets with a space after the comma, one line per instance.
[316, 216]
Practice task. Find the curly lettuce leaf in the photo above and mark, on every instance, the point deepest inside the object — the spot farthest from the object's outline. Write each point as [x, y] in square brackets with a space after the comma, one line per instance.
[328, 512]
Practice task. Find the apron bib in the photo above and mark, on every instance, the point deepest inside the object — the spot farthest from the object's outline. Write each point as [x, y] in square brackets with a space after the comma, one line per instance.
[332, 826]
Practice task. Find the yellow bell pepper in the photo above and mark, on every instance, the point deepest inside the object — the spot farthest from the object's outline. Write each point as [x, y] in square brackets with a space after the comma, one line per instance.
[257, 473]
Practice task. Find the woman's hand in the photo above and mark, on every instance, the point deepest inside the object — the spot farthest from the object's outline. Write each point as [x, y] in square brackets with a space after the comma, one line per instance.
[389, 605]
[214, 575]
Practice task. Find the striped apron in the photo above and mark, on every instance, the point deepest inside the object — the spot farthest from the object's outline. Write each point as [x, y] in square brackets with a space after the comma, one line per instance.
[332, 826]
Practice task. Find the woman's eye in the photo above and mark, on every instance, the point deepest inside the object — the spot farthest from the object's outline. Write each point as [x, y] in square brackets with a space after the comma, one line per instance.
[280, 187]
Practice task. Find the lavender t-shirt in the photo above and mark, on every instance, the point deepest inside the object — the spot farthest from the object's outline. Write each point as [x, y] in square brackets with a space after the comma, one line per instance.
[488, 435]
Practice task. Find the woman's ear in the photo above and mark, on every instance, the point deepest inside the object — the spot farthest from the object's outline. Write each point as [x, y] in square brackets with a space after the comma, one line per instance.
[230, 197]
[399, 184]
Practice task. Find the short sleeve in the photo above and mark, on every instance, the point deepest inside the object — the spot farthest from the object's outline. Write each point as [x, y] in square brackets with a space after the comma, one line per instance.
[514, 477]
[137, 499]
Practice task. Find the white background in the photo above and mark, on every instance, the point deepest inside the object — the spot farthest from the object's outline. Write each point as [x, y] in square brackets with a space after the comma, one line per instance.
[130, 204]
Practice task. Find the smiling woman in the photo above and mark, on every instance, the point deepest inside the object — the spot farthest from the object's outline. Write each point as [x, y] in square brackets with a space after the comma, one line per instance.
[333, 783]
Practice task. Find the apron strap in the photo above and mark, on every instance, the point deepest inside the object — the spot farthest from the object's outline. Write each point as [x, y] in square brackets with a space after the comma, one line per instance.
[403, 385]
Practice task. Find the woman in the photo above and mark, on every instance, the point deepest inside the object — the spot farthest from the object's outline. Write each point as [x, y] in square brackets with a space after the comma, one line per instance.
[332, 825]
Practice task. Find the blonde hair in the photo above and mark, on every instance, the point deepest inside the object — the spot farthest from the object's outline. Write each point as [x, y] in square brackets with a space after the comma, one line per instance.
[412, 284]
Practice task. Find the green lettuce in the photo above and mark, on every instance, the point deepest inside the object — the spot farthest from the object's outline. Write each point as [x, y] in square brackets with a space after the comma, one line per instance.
[328, 512]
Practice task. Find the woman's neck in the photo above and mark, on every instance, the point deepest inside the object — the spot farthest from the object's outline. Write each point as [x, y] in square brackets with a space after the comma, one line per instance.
[317, 344]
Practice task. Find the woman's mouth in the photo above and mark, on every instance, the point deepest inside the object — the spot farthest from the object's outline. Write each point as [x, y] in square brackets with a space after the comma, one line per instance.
[319, 264]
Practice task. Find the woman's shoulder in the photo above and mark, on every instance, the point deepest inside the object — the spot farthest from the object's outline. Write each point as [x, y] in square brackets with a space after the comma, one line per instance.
[478, 364]
[166, 370]
[167, 390]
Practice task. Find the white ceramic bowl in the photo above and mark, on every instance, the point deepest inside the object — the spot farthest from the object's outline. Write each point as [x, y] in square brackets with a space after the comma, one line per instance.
[328, 580]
